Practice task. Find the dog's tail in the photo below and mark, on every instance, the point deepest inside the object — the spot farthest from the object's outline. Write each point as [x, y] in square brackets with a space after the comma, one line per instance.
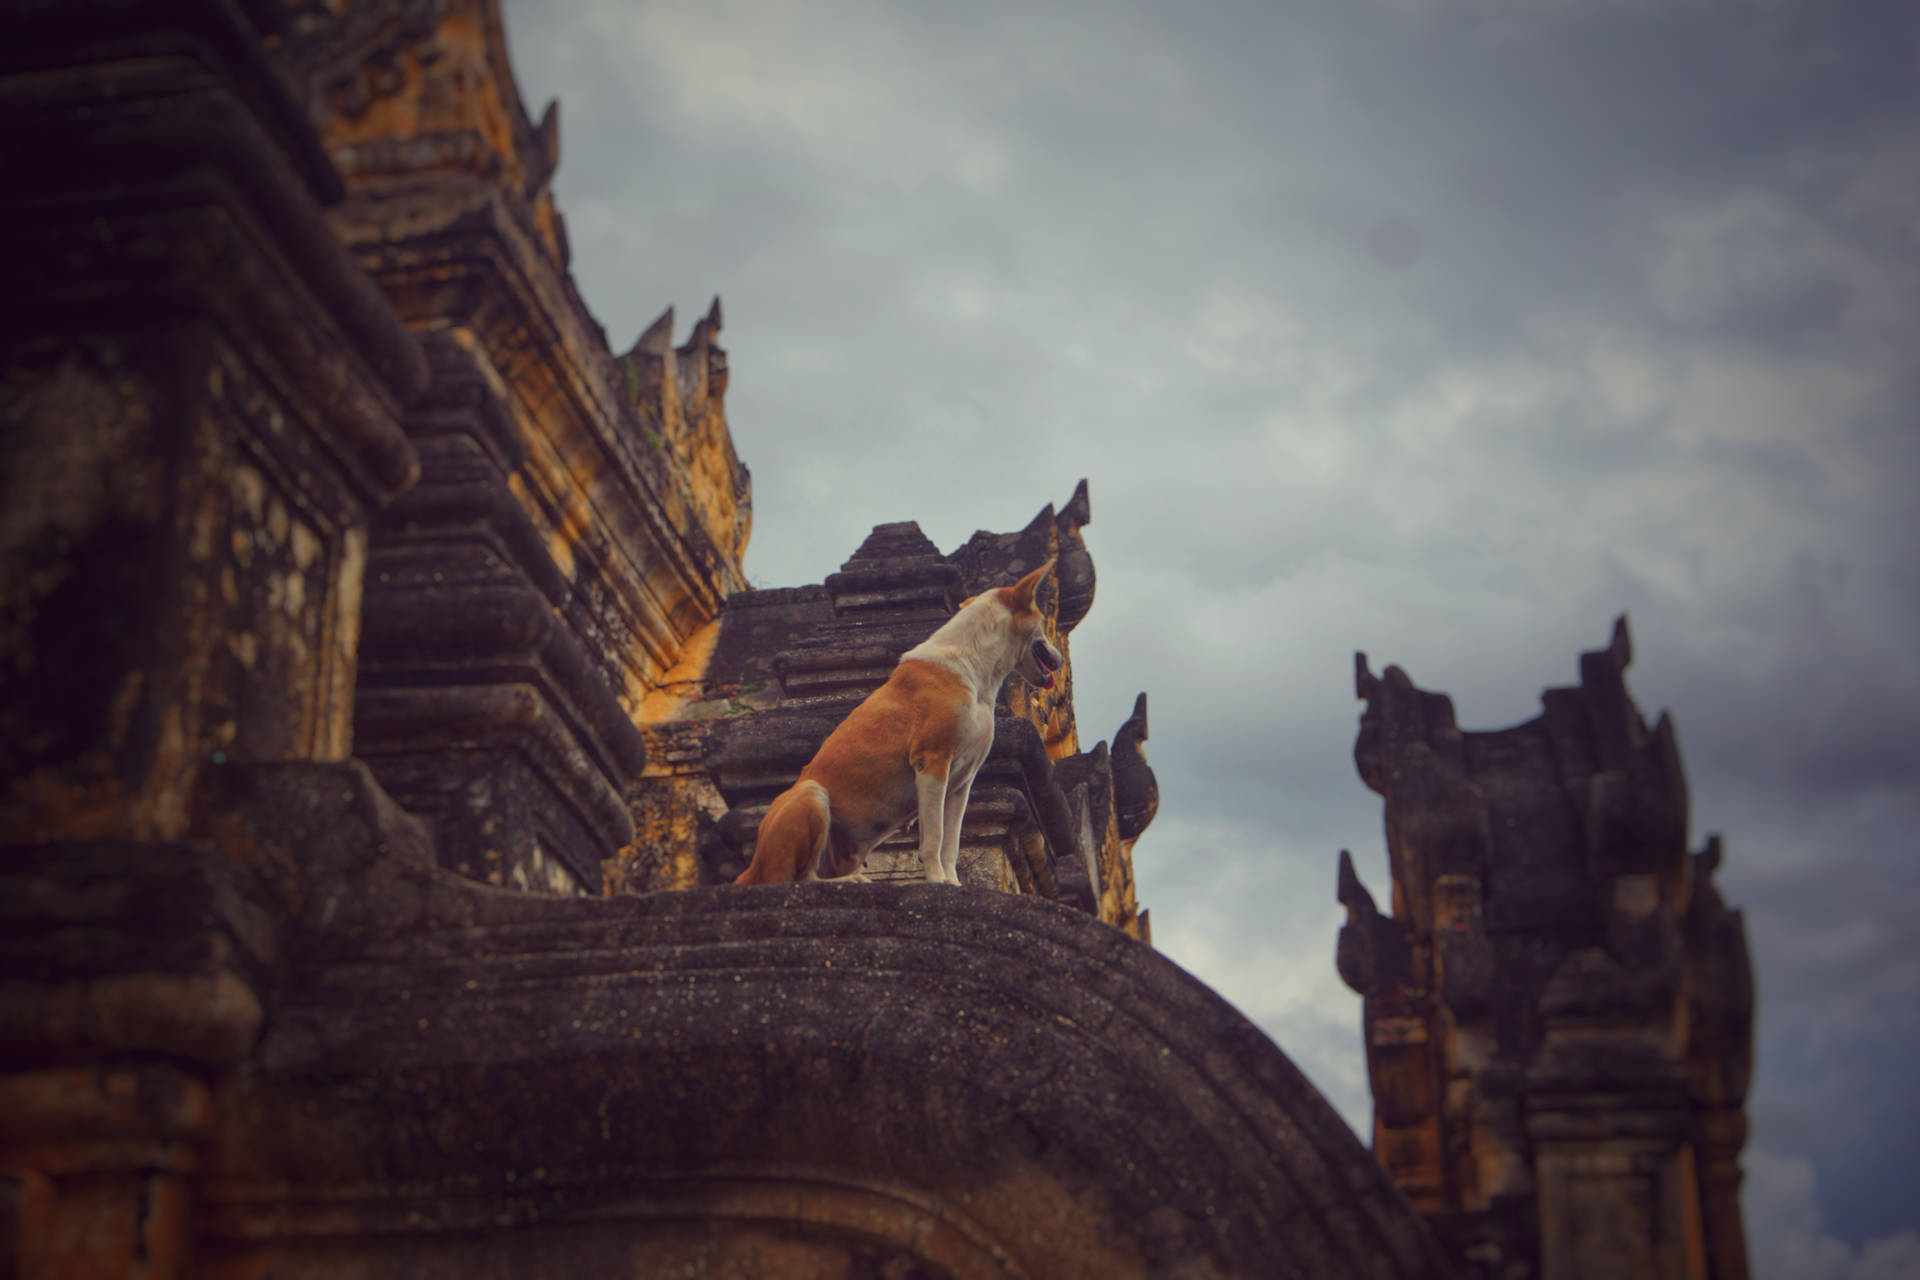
[792, 835]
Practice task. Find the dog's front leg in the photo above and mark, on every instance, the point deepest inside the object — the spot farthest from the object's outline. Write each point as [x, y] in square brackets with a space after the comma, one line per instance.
[932, 793]
[954, 814]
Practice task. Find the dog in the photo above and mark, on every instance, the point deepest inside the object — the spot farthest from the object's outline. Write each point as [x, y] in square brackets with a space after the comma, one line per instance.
[911, 748]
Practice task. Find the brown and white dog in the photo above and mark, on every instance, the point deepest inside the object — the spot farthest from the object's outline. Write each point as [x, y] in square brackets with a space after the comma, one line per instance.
[911, 748]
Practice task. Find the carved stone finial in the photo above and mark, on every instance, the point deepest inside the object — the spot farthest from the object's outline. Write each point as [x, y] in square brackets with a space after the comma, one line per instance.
[1136, 792]
[1607, 667]
[995, 559]
[1371, 953]
[1043, 519]
[1078, 512]
[706, 357]
[657, 340]
[1395, 711]
[1351, 894]
[707, 328]
[546, 163]
[1076, 575]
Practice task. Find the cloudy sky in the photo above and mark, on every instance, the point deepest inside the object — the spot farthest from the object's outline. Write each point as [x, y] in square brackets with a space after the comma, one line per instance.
[1442, 329]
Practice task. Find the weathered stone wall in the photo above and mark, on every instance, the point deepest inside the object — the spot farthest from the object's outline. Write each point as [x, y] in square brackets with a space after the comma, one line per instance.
[1558, 1012]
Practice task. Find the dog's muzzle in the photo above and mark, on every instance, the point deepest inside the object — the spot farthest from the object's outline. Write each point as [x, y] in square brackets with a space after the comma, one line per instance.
[1045, 663]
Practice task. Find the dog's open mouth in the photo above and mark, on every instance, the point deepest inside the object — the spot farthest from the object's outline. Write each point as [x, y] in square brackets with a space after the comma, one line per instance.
[1044, 661]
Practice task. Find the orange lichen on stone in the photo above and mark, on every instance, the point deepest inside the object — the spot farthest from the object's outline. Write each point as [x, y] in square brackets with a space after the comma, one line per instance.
[627, 475]
[97, 1157]
[677, 397]
[444, 104]
[684, 682]
[1118, 906]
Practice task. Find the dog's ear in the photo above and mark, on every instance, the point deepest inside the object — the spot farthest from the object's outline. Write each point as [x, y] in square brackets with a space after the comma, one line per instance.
[1023, 590]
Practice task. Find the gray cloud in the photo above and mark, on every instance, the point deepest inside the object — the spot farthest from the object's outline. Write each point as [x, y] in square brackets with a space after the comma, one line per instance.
[1445, 329]
[1787, 1239]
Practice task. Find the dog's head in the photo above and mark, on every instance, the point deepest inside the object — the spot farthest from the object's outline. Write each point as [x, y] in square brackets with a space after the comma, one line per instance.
[1039, 660]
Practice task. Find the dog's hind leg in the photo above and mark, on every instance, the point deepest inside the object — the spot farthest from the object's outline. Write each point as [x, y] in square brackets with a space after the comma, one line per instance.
[792, 835]
[932, 791]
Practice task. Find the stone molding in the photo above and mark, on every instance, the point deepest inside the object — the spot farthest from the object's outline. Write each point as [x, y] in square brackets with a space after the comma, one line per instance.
[975, 1083]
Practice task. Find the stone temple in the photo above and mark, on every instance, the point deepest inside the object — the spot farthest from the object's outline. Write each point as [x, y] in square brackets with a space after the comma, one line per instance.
[383, 711]
[1559, 1011]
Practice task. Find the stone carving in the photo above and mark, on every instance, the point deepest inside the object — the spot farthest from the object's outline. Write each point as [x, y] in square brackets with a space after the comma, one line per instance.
[1559, 1014]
